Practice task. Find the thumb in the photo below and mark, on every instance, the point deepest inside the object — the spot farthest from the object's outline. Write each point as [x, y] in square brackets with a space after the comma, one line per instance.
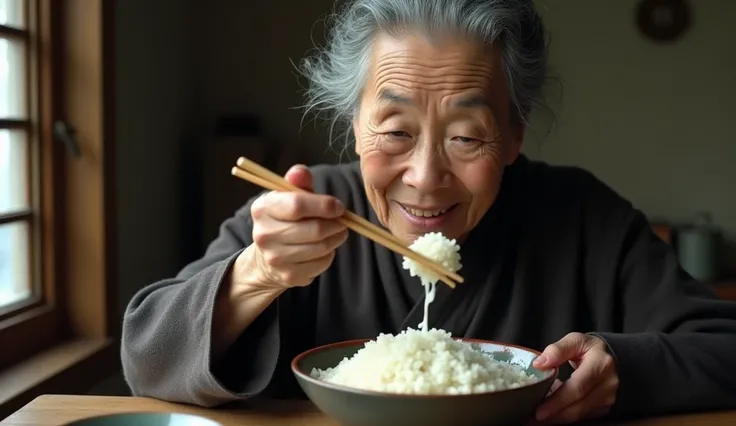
[570, 347]
[300, 176]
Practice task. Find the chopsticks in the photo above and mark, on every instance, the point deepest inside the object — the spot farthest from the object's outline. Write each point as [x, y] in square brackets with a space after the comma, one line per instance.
[261, 176]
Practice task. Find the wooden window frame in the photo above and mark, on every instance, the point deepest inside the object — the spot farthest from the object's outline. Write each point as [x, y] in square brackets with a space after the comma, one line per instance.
[26, 215]
[66, 339]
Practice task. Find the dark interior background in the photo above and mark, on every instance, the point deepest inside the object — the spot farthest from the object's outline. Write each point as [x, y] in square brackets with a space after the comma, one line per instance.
[202, 82]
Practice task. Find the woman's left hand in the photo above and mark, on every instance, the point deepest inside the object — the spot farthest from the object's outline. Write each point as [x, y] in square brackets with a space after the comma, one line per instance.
[591, 389]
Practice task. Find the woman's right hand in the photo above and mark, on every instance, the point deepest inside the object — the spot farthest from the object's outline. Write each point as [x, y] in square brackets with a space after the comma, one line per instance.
[295, 234]
[294, 240]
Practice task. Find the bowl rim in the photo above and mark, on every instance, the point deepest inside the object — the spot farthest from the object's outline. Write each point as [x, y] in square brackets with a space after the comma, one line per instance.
[358, 342]
[106, 416]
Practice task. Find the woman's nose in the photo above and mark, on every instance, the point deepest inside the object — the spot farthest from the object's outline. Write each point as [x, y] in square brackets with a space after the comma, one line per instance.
[426, 170]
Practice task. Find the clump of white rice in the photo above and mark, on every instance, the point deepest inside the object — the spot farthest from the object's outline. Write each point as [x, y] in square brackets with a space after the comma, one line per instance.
[437, 247]
[442, 250]
[424, 362]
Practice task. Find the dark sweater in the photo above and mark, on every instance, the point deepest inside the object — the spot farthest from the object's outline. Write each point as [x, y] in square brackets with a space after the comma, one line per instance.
[558, 252]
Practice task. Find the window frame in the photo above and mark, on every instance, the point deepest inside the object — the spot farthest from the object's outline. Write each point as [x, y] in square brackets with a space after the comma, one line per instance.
[39, 314]
[27, 215]
[74, 316]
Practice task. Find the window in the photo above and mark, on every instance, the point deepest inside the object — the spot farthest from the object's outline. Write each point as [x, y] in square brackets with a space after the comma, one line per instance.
[25, 298]
[56, 278]
[16, 159]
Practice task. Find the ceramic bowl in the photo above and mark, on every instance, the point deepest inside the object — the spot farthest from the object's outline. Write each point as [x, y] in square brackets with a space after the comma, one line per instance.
[355, 407]
[145, 419]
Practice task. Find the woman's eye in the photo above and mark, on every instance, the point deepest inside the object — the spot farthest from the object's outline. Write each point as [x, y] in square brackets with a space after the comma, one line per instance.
[465, 140]
[399, 134]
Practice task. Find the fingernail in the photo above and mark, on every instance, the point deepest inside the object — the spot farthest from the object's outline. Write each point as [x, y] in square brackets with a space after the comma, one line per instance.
[339, 208]
[541, 360]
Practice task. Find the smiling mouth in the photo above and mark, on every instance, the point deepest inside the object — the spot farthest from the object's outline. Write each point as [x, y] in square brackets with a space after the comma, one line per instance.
[427, 213]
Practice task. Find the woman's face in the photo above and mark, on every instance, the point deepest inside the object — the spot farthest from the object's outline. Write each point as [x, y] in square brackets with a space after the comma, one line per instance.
[434, 133]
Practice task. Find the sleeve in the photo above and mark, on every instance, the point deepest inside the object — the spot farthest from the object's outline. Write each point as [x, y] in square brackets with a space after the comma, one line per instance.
[166, 338]
[675, 342]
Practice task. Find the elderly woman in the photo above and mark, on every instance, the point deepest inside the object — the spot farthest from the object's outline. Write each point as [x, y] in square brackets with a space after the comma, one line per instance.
[437, 94]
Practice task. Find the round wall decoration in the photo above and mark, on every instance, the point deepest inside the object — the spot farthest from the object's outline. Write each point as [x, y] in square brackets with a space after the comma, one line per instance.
[663, 20]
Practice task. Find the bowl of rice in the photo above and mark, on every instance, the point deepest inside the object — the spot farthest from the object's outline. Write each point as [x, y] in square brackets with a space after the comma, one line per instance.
[423, 377]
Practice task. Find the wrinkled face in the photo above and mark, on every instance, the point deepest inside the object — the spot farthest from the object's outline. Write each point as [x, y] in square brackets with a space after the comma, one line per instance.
[434, 133]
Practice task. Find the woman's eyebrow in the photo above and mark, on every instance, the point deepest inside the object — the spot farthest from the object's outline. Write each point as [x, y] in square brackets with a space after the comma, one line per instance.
[474, 101]
[390, 96]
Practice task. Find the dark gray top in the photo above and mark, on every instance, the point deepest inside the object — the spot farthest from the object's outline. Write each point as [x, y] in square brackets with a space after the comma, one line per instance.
[558, 252]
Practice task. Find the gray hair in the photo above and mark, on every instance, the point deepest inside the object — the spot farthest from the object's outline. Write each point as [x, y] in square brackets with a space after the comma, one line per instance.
[337, 72]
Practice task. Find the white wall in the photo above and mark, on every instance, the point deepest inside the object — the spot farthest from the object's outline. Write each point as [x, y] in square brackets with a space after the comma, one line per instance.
[658, 123]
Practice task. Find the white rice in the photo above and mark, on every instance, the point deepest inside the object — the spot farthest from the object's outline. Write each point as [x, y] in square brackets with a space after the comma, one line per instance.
[437, 247]
[424, 362]
[442, 250]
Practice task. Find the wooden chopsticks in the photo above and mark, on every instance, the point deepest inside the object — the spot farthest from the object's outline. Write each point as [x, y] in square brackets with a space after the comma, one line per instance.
[261, 176]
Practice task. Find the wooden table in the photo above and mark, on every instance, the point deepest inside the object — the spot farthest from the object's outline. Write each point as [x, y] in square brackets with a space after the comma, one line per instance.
[57, 410]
